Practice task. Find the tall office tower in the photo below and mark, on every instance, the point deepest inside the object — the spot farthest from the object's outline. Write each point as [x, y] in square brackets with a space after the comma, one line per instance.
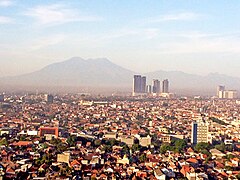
[165, 86]
[2, 98]
[156, 86]
[220, 92]
[199, 132]
[137, 87]
[149, 89]
[143, 84]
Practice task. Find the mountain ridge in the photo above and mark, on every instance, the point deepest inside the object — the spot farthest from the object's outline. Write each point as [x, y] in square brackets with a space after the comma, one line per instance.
[101, 72]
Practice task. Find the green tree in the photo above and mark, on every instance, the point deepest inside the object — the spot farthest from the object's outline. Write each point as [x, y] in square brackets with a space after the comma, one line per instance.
[206, 152]
[229, 156]
[221, 147]
[164, 148]
[107, 148]
[60, 146]
[142, 157]
[238, 176]
[3, 141]
[46, 158]
[81, 128]
[201, 146]
[112, 142]
[44, 146]
[228, 168]
[135, 147]
[229, 148]
[23, 137]
[216, 120]
[71, 140]
[97, 142]
[180, 145]
[125, 149]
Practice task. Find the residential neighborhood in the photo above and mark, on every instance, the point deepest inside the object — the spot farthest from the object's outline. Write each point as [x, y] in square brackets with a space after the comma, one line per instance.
[78, 136]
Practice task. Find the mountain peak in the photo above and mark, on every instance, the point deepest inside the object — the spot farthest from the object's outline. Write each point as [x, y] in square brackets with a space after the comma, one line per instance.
[99, 59]
[74, 59]
[101, 72]
[90, 60]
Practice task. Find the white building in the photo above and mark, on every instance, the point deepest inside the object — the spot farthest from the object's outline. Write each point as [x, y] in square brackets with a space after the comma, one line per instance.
[230, 94]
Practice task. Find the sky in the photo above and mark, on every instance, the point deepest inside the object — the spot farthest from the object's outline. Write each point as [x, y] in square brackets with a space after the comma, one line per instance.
[198, 37]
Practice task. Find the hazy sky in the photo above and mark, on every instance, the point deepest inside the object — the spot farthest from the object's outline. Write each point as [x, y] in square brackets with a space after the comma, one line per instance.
[141, 35]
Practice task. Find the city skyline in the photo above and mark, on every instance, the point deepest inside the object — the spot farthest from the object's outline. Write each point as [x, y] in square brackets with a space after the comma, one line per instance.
[140, 87]
[159, 35]
[119, 89]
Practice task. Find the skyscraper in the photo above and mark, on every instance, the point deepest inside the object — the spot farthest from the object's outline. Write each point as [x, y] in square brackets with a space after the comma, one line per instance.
[156, 86]
[2, 98]
[139, 84]
[199, 132]
[143, 84]
[220, 91]
[149, 89]
[165, 86]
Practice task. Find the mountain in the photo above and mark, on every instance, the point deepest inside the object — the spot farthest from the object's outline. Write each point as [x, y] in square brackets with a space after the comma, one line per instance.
[76, 72]
[195, 84]
[102, 74]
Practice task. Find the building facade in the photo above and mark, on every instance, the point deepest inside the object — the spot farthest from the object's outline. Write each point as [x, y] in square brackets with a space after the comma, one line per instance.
[149, 89]
[220, 91]
[156, 86]
[226, 94]
[49, 98]
[48, 131]
[230, 94]
[165, 86]
[139, 85]
[199, 132]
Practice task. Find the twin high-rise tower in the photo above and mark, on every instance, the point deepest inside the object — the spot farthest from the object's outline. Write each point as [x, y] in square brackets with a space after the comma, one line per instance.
[140, 87]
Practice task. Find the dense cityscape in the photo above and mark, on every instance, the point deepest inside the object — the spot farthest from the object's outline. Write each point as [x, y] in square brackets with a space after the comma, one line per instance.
[119, 90]
[150, 135]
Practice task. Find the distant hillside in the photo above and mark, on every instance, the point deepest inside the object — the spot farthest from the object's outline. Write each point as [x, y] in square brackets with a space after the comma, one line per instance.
[76, 72]
[196, 84]
[103, 74]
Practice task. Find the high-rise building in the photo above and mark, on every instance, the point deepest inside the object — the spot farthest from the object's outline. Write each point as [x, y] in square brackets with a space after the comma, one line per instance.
[220, 92]
[156, 86]
[230, 94]
[226, 94]
[165, 86]
[2, 98]
[139, 84]
[199, 132]
[149, 89]
[143, 84]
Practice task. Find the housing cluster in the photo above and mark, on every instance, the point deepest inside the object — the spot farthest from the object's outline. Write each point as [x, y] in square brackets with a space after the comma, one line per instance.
[78, 136]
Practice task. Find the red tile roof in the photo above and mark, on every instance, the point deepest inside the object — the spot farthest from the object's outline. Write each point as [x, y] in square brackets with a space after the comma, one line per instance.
[22, 143]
